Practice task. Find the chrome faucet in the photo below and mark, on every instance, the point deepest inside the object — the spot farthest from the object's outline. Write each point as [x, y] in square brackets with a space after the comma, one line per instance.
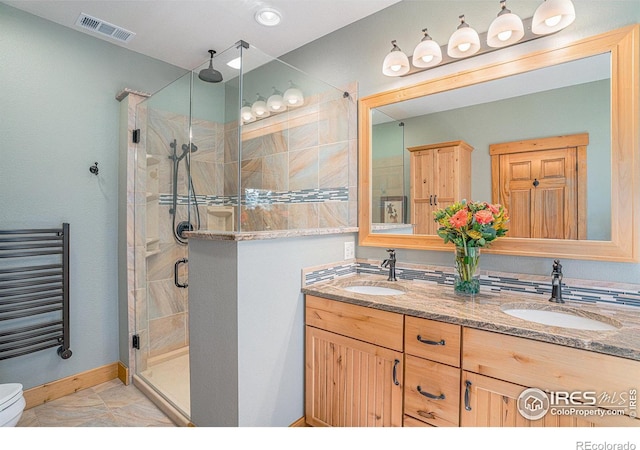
[391, 264]
[556, 282]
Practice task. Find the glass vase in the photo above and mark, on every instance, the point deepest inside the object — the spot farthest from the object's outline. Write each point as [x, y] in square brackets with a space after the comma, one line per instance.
[467, 280]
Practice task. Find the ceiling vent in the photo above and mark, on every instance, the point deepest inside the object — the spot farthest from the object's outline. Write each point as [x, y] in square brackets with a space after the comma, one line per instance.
[104, 28]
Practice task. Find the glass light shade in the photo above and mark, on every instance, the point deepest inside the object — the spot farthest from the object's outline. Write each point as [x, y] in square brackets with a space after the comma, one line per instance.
[275, 102]
[552, 16]
[259, 108]
[463, 42]
[506, 29]
[427, 54]
[293, 97]
[246, 115]
[396, 63]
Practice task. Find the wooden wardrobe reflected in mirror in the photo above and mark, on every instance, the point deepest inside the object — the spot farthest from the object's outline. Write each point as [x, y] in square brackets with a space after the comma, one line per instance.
[543, 184]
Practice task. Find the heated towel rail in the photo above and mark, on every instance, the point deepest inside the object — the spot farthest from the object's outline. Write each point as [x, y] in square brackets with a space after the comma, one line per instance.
[34, 291]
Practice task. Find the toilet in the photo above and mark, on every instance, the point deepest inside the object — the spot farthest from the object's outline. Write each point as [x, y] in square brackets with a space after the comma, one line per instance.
[12, 404]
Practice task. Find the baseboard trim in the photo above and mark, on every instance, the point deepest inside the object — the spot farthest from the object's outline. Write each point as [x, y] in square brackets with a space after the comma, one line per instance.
[40, 395]
[301, 422]
[123, 374]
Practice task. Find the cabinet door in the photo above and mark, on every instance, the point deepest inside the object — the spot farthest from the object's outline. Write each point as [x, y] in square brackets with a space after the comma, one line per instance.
[488, 402]
[423, 183]
[351, 383]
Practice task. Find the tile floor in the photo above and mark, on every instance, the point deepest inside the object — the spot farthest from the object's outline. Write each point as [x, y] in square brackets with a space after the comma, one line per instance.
[111, 404]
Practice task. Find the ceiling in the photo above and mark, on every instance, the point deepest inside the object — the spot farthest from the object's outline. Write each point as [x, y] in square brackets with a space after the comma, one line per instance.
[180, 32]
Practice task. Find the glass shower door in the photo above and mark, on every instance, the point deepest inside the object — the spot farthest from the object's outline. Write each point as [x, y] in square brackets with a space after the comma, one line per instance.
[162, 214]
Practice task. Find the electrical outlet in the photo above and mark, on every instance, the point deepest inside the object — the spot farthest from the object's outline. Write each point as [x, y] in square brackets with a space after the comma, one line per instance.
[349, 250]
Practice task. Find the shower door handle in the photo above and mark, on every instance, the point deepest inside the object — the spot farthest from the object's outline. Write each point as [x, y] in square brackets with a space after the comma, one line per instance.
[175, 273]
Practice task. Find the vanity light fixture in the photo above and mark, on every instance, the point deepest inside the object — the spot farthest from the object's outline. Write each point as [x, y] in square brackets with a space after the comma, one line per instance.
[396, 63]
[269, 17]
[506, 29]
[275, 102]
[427, 53]
[245, 112]
[552, 16]
[259, 108]
[293, 96]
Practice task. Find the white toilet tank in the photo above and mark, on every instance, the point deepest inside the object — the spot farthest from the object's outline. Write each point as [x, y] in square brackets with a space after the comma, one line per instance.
[12, 404]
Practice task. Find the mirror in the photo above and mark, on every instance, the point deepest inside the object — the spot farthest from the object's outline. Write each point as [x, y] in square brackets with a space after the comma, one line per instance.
[429, 113]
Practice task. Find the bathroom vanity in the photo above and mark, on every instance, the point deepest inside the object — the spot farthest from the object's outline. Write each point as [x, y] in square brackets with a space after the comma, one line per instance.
[418, 355]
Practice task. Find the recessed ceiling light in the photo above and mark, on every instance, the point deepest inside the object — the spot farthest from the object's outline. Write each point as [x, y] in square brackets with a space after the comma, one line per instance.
[268, 17]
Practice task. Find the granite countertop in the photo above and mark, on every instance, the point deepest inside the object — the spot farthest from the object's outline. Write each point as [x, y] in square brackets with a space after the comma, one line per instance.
[212, 235]
[485, 312]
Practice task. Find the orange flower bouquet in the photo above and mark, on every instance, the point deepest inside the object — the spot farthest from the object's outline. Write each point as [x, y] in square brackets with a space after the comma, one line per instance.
[470, 226]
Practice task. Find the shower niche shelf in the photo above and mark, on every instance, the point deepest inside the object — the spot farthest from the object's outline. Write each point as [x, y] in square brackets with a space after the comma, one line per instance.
[153, 206]
[220, 218]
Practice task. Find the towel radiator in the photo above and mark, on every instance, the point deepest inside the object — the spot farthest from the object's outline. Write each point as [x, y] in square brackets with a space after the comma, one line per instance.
[34, 291]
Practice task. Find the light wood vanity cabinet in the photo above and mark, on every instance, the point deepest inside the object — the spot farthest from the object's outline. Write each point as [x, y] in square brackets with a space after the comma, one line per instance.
[497, 368]
[354, 365]
[368, 367]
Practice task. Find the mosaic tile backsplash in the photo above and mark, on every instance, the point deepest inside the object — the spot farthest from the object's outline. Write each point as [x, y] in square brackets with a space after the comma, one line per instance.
[627, 295]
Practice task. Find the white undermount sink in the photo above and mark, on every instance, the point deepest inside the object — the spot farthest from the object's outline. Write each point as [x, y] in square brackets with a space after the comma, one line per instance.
[373, 290]
[561, 319]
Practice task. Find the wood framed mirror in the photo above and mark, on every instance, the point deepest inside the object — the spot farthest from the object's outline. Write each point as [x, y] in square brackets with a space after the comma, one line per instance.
[622, 46]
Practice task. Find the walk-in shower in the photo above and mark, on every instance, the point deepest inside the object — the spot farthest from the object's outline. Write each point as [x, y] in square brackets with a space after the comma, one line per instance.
[201, 167]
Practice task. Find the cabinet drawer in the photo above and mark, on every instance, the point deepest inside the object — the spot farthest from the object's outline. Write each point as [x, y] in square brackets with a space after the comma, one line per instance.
[359, 322]
[437, 341]
[424, 380]
[546, 366]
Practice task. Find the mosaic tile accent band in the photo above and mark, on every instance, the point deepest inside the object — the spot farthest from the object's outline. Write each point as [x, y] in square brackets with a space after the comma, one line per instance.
[260, 197]
[494, 283]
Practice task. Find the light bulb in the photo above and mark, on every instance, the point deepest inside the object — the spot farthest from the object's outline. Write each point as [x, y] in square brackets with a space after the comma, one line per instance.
[553, 21]
[505, 35]
[464, 47]
[427, 58]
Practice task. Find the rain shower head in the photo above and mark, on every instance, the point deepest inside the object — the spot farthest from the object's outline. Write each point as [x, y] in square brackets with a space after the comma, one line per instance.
[210, 75]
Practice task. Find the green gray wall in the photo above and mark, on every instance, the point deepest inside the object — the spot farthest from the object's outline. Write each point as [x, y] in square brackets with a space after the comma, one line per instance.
[59, 115]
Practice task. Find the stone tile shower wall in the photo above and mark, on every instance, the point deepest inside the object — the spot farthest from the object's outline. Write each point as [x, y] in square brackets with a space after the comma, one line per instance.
[298, 169]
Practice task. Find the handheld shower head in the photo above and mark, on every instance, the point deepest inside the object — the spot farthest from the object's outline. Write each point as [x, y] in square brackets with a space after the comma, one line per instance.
[194, 147]
[210, 75]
